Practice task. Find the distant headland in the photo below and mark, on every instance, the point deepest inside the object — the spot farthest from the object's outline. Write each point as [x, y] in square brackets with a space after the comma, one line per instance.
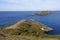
[42, 13]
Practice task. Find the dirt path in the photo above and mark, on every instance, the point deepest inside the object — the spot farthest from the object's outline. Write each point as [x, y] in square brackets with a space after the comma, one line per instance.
[15, 25]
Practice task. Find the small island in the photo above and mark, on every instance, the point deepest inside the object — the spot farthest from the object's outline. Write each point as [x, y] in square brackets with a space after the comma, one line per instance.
[42, 13]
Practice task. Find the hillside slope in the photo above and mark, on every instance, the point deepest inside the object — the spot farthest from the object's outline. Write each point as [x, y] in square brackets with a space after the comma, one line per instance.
[25, 30]
[27, 26]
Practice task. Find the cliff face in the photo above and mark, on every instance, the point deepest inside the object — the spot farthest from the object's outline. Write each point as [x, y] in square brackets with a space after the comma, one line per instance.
[27, 26]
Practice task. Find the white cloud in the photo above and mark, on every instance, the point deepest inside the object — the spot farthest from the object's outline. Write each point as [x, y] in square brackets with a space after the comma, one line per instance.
[29, 5]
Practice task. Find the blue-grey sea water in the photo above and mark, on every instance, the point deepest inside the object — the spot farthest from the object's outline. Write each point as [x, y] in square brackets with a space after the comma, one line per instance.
[51, 20]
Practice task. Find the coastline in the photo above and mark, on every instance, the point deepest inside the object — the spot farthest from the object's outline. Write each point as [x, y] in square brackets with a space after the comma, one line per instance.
[41, 36]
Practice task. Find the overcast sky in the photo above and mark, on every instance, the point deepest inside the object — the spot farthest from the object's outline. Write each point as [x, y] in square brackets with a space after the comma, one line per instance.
[29, 5]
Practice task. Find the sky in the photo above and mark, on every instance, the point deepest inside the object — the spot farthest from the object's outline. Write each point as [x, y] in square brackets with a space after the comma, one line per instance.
[29, 5]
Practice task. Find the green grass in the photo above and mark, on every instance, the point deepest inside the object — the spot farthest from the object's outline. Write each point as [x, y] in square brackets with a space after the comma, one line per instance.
[30, 28]
[34, 33]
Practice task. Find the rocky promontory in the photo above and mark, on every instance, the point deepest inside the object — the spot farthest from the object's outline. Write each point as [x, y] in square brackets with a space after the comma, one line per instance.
[27, 26]
[26, 30]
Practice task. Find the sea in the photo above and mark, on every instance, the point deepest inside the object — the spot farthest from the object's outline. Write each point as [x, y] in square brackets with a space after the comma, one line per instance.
[51, 20]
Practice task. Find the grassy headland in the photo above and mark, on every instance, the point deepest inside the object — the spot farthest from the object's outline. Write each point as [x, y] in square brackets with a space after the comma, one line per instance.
[27, 28]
